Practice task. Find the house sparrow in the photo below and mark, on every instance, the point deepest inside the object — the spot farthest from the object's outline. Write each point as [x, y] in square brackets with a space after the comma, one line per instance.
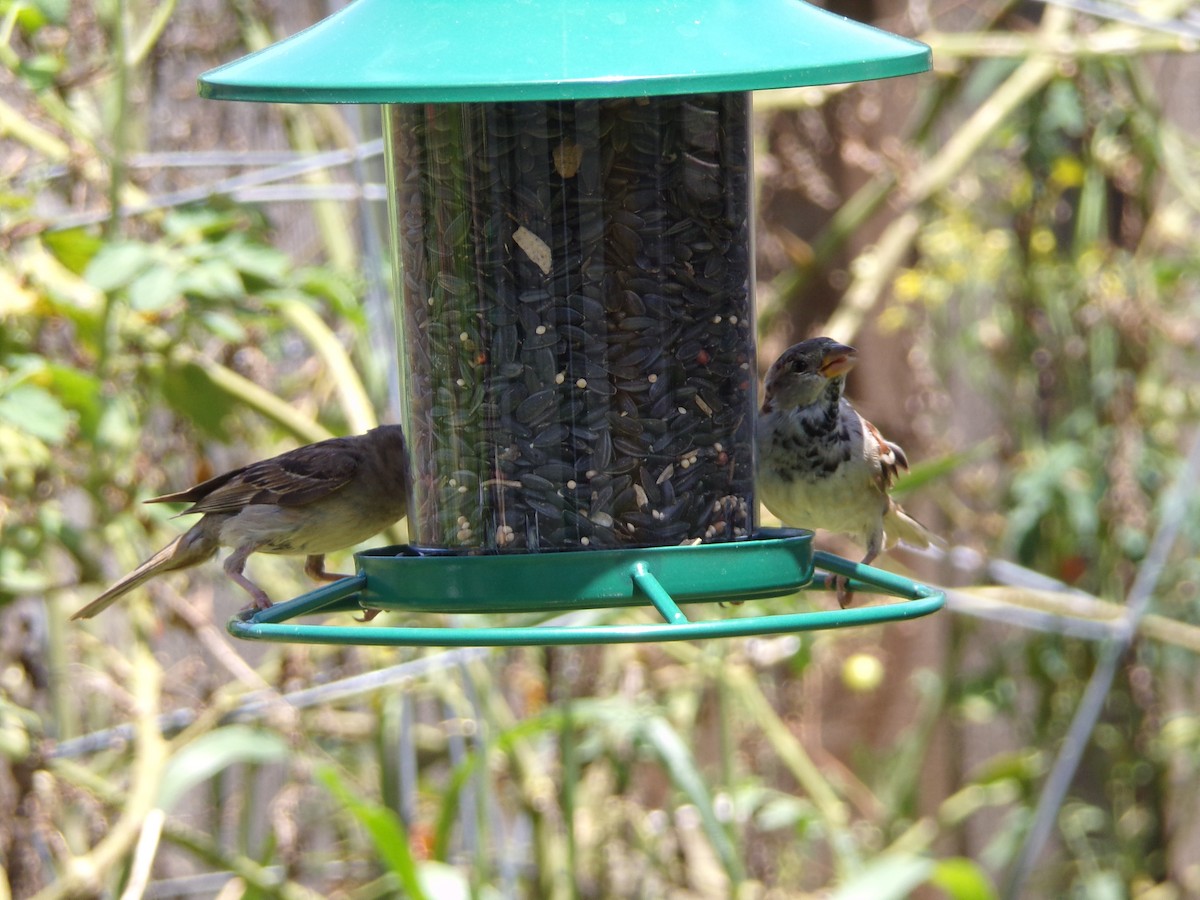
[312, 500]
[821, 464]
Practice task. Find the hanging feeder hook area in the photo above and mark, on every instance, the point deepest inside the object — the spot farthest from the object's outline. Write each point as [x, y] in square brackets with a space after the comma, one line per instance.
[775, 562]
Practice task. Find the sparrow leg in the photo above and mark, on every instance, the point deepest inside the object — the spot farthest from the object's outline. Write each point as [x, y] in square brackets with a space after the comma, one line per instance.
[314, 568]
[233, 568]
[842, 584]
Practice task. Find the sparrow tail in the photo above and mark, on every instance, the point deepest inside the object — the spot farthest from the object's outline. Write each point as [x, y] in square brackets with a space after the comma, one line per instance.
[900, 526]
[192, 547]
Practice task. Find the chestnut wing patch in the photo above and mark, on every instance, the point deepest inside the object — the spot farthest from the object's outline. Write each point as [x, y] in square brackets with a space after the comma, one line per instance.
[891, 457]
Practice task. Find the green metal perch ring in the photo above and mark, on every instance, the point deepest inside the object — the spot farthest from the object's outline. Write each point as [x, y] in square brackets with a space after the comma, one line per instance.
[775, 562]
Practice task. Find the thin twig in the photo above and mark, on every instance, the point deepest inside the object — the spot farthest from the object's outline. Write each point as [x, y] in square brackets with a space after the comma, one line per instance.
[258, 703]
[303, 164]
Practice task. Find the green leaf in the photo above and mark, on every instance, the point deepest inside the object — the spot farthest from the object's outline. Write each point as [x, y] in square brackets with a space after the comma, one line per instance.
[154, 290]
[192, 394]
[118, 264]
[212, 279]
[1023, 765]
[40, 70]
[326, 284]
[37, 412]
[16, 577]
[75, 248]
[784, 812]
[962, 879]
[224, 326]
[211, 753]
[260, 266]
[1102, 886]
[28, 17]
[940, 467]
[893, 876]
[54, 10]
[79, 392]
[193, 224]
[385, 828]
[445, 882]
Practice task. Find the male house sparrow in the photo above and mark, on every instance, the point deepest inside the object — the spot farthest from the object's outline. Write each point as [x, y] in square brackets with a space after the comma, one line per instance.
[312, 500]
[821, 464]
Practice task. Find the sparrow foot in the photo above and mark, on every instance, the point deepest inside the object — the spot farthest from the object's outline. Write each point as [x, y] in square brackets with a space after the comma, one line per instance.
[314, 568]
[845, 596]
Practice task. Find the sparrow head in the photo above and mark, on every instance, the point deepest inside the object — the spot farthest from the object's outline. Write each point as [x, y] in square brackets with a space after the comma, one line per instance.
[390, 439]
[808, 371]
[388, 443]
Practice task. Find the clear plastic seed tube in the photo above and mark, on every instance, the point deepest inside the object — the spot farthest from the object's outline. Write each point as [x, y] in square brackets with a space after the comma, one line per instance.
[576, 321]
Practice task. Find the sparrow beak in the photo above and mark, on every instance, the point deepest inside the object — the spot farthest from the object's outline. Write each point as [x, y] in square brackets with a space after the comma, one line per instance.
[838, 361]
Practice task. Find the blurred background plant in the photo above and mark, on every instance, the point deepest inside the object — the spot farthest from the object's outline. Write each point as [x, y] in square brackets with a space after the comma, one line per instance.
[187, 285]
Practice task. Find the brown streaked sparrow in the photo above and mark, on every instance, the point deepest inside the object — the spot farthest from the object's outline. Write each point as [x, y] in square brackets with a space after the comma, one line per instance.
[821, 464]
[312, 500]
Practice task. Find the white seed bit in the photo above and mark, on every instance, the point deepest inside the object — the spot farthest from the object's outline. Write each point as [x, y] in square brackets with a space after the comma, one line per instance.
[652, 378]
[682, 411]
[560, 377]
[541, 329]
[463, 336]
[585, 540]
[639, 494]
[535, 248]
[733, 320]
[581, 383]
[716, 320]
[461, 382]
[571, 484]
[718, 447]
[462, 488]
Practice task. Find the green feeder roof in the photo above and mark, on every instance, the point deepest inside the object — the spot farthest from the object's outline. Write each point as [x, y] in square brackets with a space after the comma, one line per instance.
[451, 51]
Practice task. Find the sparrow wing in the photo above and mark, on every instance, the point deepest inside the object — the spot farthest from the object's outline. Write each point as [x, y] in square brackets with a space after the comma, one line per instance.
[295, 478]
[891, 457]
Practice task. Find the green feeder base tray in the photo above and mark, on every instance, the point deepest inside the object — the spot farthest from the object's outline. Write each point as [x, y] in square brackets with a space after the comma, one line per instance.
[774, 563]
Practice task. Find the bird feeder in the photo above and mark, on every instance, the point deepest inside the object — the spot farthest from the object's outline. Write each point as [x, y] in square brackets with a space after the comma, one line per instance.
[570, 188]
